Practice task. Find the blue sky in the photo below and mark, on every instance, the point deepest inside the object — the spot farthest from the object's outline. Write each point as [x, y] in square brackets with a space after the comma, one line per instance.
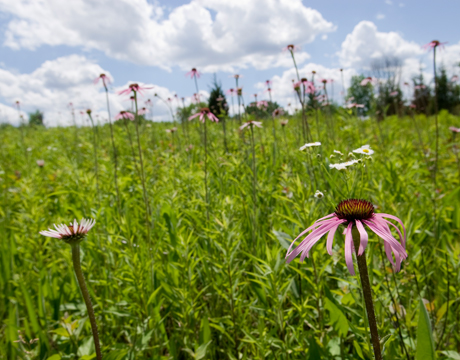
[122, 40]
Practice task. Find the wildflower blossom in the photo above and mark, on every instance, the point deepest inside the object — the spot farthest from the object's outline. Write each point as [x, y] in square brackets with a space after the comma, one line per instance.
[291, 48]
[41, 163]
[262, 104]
[454, 129]
[366, 81]
[104, 78]
[353, 213]
[302, 148]
[433, 44]
[193, 73]
[71, 234]
[344, 165]
[124, 115]
[365, 150]
[205, 112]
[394, 93]
[251, 124]
[284, 122]
[135, 88]
[318, 194]
[454, 78]
[142, 111]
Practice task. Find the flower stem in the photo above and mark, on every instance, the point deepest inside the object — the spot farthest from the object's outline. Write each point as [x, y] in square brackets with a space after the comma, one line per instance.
[206, 169]
[86, 297]
[367, 294]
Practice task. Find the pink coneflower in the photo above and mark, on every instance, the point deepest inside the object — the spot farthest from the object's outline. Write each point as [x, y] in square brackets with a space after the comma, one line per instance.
[412, 106]
[104, 78]
[278, 112]
[262, 104]
[268, 83]
[291, 48]
[355, 105]
[239, 91]
[433, 44]
[41, 163]
[454, 78]
[454, 129]
[71, 234]
[394, 93]
[142, 111]
[149, 102]
[135, 88]
[124, 115]
[205, 112]
[173, 130]
[220, 99]
[193, 73]
[366, 81]
[296, 85]
[251, 124]
[231, 91]
[419, 87]
[349, 213]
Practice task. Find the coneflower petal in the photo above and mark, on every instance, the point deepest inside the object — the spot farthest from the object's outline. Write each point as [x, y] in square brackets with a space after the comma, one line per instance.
[349, 249]
[364, 237]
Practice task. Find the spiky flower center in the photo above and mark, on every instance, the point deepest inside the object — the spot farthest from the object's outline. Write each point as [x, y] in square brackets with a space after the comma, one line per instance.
[290, 47]
[354, 209]
[76, 236]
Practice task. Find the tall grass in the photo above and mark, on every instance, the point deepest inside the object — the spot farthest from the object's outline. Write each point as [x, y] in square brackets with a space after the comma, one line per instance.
[212, 289]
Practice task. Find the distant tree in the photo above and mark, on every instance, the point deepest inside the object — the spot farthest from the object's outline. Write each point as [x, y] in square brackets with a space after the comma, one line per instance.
[261, 110]
[448, 92]
[361, 94]
[217, 102]
[422, 95]
[36, 118]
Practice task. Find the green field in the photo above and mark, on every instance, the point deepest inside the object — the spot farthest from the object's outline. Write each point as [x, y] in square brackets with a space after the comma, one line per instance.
[211, 281]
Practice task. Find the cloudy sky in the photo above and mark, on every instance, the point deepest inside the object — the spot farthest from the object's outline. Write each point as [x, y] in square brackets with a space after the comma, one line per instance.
[51, 50]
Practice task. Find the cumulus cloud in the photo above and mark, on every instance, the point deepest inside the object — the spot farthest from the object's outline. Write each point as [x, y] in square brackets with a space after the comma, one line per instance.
[69, 79]
[210, 34]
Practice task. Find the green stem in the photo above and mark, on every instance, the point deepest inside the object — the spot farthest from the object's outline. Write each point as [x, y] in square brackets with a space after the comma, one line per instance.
[206, 169]
[86, 297]
[367, 294]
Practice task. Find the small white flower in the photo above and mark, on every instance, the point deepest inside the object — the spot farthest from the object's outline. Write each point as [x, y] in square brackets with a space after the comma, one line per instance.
[318, 194]
[310, 145]
[364, 150]
[338, 152]
[29, 149]
[343, 166]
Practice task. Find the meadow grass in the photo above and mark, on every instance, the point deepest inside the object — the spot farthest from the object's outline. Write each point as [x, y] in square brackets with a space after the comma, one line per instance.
[220, 288]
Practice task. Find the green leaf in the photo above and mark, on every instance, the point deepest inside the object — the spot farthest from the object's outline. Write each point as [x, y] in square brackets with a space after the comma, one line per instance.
[452, 355]
[115, 355]
[337, 318]
[205, 331]
[55, 357]
[284, 239]
[425, 344]
[201, 351]
[314, 350]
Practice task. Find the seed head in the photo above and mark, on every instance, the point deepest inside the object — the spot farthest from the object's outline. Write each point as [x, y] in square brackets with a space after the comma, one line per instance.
[354, 209]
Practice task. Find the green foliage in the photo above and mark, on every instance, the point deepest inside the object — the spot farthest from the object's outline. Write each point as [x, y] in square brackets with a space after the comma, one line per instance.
[425, 342]
[361, 94]
[221, 289]
[36, 118]
[217, 102]
[448, 92]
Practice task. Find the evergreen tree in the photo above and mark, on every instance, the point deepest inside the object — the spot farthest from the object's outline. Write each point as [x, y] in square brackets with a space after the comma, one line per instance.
[217, 102]
[448, 92]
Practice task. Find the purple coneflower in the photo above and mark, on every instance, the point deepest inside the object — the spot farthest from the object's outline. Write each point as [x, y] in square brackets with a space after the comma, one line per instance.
[366, 81]
[205, 112]
[124, 115]
[433, 44]
[291, 48]
[71, 234]
[193, 73]
[284, 122]
[134, 88]
[251, 124]
[353, 212]
[454, 129]
[394, 93]
[142, 111]
[278, 112]
[105, 80]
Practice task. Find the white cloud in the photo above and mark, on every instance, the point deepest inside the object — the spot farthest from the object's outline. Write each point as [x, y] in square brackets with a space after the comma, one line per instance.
[56, 83]
[365, 44]
[209, 34]
[380, 16]
[388, 2]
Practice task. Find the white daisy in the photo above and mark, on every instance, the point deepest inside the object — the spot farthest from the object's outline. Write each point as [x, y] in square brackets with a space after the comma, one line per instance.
[364, 150]
[343, 166]
[318, 194]
[310, 145]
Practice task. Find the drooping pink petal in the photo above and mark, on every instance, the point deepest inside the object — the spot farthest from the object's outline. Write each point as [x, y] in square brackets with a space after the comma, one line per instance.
[385, 236]
[395, 219]
[194, 116]
[364, 237]
[349, 249]
[330, 239]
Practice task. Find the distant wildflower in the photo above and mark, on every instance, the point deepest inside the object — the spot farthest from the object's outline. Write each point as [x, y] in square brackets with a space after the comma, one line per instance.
[355, 105]
[29, 149]
[302, 148]
[71, 234]
[419, 87]
[284, 122]
[104, 78]
[193, 73]
[220, 99]
[173, 130]
[291, 48]
[454, 129]
[344, 165]
[365, 150]
[41, 163]
[231, 91]
[433, 44]
[366, 81]
[454, 78]
[135, 88]
[142, 111]
[205, 112]
[350, 213]
[262, 104]
[338, 152]
[318, 194]
[394, 93]
[124, 115]
[251, 124]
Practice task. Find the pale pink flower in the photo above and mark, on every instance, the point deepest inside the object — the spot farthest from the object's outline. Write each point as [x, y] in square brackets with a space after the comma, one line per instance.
[394, 93]
[104, 78]
[412, 106]
[433, 44]
[205, 112]
[149, 102]
[231, 91]
[349, 213]
[73, 233]
[366, 81]
[135, 88]
[355, 105]
[193, 73]
[296, 85]
[219, 99]
[173, 130]
[41, 163]
[251, 124]
[454, 129]
[268, 83]
[262, 103]
[291, 48]
[278, 112]
[454, 78]
[124, 115]
[284, 122]
[142, 111]
[419, 87]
